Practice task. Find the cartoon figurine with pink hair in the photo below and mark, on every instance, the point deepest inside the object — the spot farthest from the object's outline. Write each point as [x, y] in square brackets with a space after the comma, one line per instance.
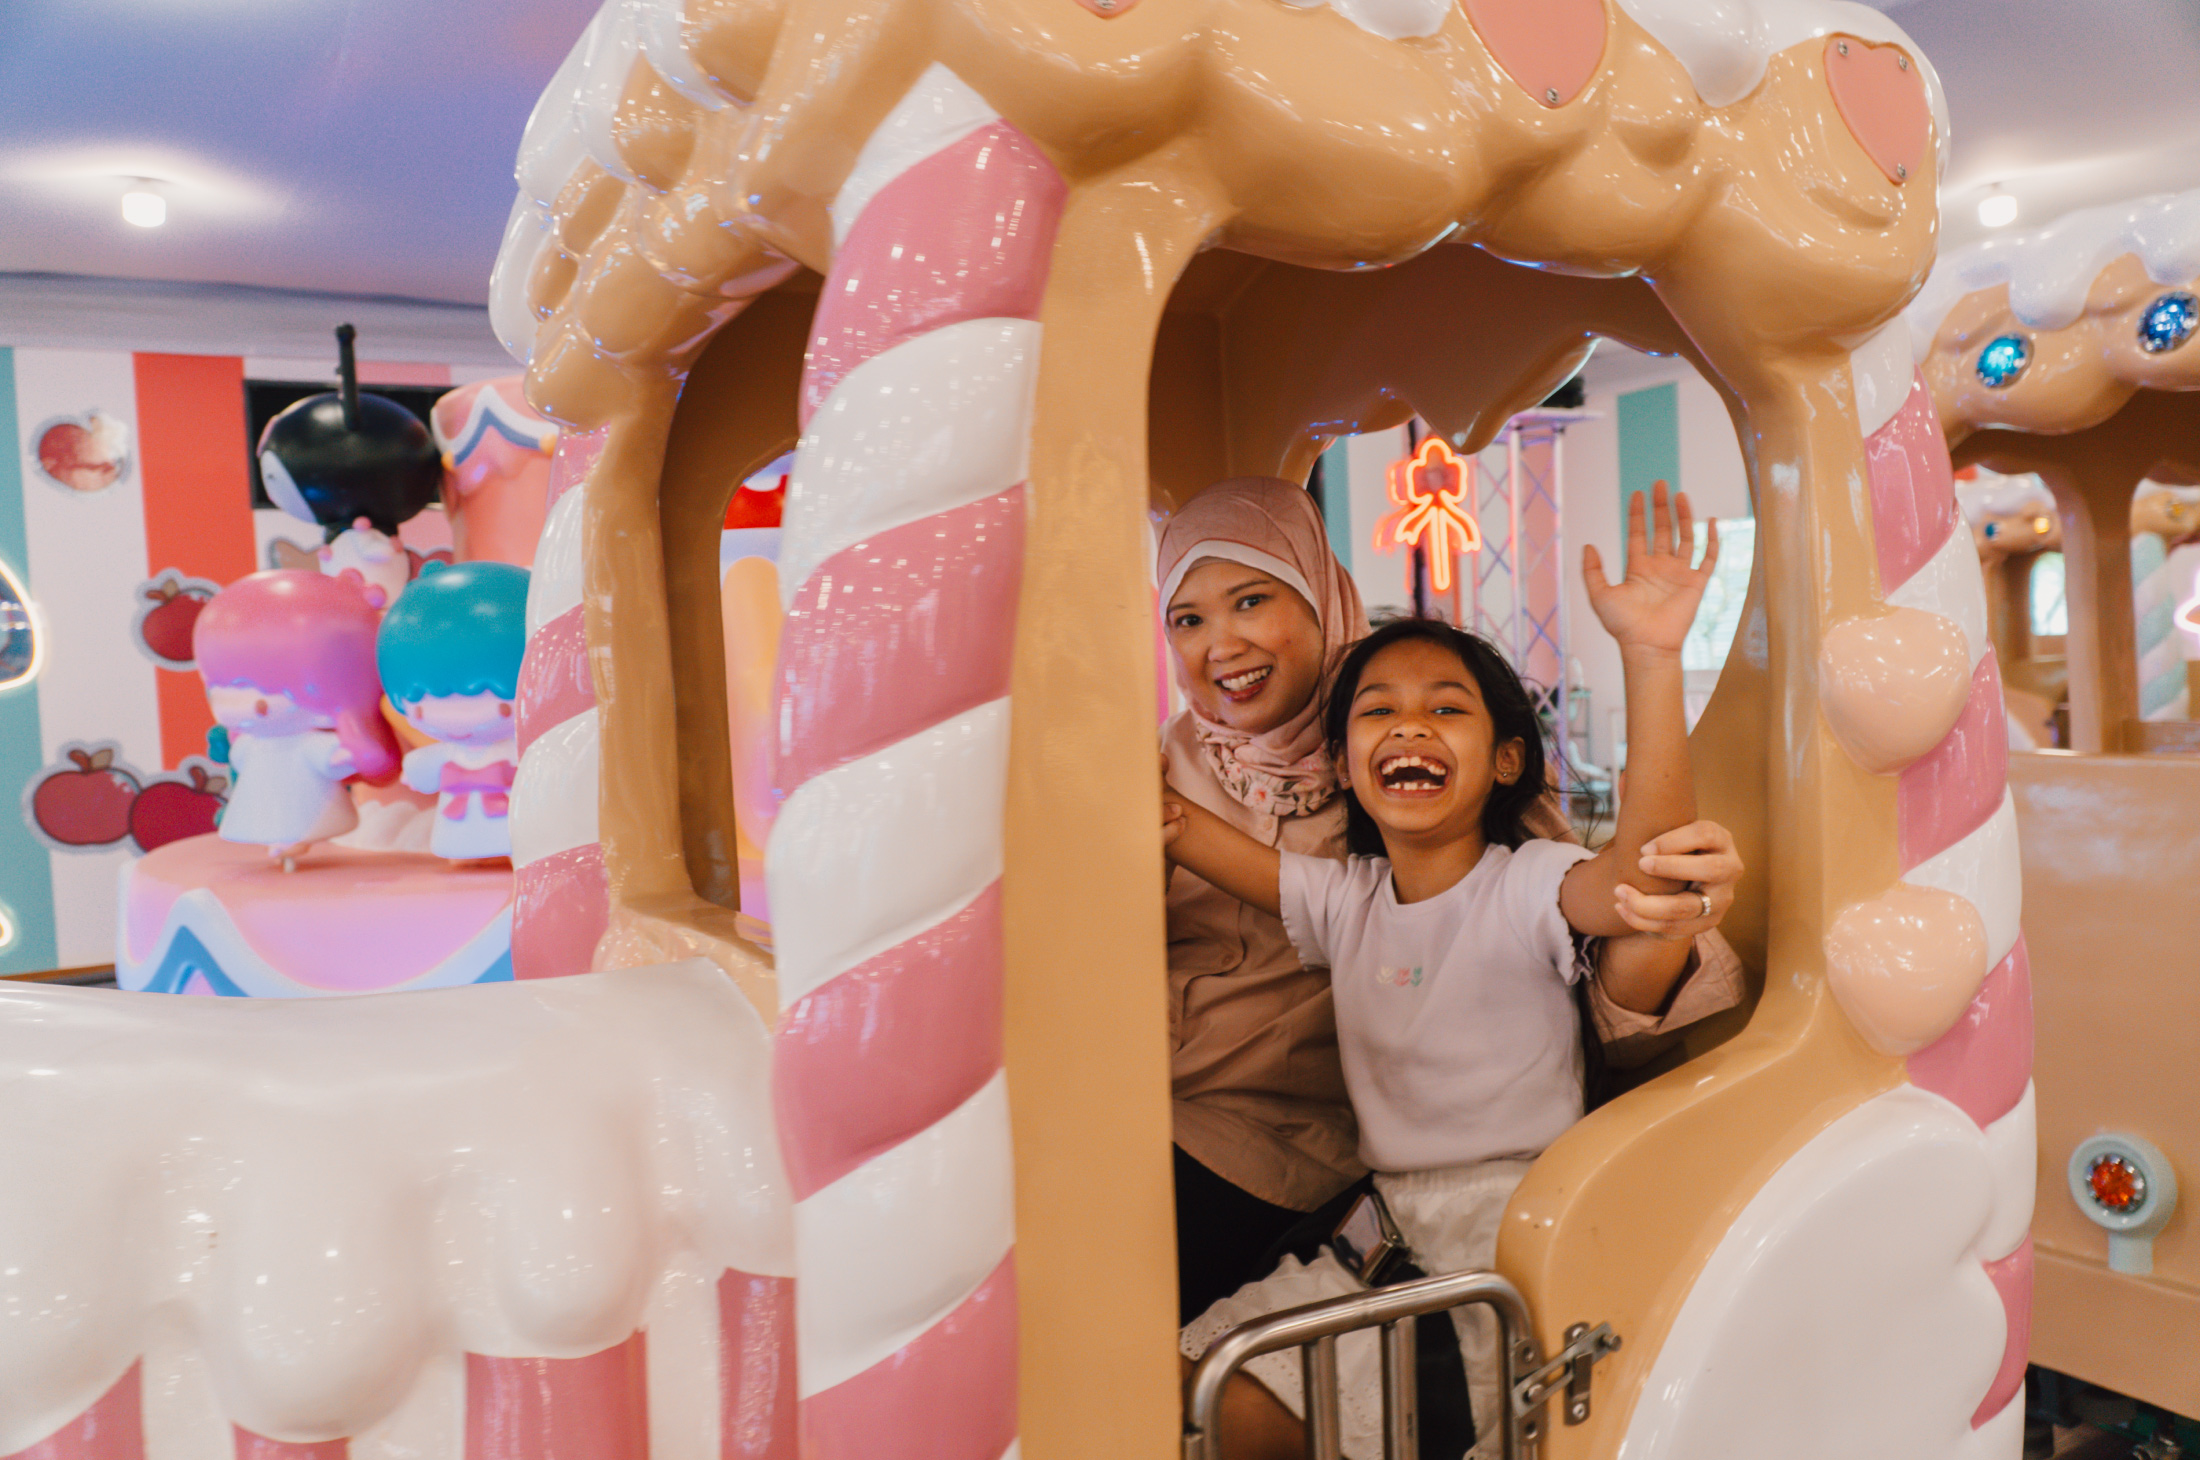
[288, 660]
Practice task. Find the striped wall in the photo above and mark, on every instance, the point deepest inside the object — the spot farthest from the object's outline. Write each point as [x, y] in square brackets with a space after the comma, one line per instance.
[183, 504]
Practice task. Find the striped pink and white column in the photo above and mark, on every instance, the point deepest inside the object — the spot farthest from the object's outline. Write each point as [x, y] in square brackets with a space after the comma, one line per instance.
[901, 562]
[562, 903]
[1957, 825]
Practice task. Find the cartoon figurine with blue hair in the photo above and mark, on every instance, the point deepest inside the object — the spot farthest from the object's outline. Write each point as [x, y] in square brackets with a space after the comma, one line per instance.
[449, 653]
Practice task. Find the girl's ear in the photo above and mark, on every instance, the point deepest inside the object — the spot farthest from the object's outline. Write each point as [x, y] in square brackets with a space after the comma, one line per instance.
[1510, 759]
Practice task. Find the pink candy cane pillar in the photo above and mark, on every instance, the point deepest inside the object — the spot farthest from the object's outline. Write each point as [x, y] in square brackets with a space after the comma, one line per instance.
[901, 560]
[1957, 832]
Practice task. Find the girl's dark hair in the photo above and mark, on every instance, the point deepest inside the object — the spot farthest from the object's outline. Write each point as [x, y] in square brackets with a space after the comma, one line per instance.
[1512, 716]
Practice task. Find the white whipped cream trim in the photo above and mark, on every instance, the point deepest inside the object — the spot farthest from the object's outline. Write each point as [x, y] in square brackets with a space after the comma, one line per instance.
[2050, 270]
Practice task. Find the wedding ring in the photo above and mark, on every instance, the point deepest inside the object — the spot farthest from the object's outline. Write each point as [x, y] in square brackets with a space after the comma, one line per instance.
[1706, 901]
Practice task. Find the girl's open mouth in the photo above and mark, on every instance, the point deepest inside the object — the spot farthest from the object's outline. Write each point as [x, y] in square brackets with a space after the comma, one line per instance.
[1412, 775]
[1245, 684]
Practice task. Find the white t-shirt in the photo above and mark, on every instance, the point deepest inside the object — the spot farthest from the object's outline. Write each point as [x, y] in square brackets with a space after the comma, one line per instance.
[1457, 1027]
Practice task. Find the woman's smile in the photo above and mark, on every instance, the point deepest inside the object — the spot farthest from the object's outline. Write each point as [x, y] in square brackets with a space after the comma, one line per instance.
[1244, 685]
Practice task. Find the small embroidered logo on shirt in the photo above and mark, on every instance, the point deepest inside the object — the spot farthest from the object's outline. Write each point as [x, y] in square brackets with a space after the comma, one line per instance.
[1399, 978]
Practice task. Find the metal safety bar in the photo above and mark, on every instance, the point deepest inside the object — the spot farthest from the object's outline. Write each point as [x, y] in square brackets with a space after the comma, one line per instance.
[1528, 1381]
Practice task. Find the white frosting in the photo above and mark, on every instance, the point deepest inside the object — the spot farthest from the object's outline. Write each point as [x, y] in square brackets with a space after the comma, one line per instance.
[1984, 871]
[1859, 1257]
[334, 1200]
[1725, 45]
[526, 233]
[2050, 270]
[1990, 494]
[1393, 20]
[572, 120]
[512, 421]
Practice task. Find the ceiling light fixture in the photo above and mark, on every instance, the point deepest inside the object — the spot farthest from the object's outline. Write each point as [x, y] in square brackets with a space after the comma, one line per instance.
[1997, 209]
[144, 207]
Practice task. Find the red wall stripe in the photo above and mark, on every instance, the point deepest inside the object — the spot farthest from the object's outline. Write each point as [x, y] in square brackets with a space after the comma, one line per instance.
[195, 465]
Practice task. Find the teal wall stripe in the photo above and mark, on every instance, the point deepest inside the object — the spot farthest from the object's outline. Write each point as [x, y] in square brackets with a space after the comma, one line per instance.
[1649, 444]
[1337, 502]
[26, 875]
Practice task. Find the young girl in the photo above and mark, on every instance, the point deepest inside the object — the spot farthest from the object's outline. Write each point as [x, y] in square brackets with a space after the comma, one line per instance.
[288, 660]
[450, 653]
[1450, 933]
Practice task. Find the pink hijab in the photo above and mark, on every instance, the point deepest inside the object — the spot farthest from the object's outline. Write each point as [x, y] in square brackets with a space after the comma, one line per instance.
[1272, 525]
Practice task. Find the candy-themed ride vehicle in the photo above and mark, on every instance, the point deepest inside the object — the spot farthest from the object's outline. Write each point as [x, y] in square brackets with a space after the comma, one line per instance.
[890, 1175]
[2068, 352]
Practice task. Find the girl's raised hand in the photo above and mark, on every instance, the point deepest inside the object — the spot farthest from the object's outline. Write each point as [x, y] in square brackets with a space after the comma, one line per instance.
[1652, 607]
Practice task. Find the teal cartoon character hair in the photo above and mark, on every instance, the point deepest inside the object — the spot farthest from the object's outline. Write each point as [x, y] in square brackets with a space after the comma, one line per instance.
[456, 630]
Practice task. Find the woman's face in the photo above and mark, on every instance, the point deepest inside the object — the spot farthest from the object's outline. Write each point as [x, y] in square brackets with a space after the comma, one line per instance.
[1248, 648]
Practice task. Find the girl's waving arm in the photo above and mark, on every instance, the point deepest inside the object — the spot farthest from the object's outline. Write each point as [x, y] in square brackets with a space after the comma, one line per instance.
[1649, 613]
[1194, 837]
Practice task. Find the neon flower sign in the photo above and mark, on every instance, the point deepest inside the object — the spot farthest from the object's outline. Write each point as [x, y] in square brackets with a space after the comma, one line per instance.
[1430, 490]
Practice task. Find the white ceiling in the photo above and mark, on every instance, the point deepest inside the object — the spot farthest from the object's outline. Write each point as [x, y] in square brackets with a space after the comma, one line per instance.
[364, 147]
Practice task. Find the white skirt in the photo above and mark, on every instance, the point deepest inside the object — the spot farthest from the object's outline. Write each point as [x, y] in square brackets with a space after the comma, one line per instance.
[1449, 1217]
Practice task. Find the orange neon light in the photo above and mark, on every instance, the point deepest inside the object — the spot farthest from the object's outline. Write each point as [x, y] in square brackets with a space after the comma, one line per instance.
[1430, 488]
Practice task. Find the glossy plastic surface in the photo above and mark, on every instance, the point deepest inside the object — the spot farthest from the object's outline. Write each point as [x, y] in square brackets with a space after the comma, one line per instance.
[497, 451]
[1221, 174]
[400, 1185]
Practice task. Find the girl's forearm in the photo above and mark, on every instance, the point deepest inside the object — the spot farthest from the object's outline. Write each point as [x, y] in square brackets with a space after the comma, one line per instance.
[1231, 860]
[1661, 782]
[1638, 971]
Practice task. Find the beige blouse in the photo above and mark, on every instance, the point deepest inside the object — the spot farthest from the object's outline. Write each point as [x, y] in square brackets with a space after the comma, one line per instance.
[1259, 1095]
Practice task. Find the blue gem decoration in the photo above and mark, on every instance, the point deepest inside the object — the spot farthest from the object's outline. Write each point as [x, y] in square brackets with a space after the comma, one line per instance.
[2003, 360]
[2168, 323]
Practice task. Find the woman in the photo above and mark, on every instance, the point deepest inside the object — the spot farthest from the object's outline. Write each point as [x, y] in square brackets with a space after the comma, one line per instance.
[1258, 610]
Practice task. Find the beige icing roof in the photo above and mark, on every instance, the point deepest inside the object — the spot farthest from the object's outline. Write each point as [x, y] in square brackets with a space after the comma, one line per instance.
[629, 161]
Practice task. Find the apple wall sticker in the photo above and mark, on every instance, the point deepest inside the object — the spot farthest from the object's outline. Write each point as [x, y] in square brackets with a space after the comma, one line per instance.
[82, 453]
[81, 802]
[168, 609]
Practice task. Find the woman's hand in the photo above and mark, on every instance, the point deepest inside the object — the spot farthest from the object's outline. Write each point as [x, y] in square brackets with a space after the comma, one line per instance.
[1172, 821]
[1702, 856]
[1654, 605]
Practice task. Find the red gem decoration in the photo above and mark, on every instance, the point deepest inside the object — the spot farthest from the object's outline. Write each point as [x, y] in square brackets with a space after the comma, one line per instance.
[2116, 1184]
[1430, 490]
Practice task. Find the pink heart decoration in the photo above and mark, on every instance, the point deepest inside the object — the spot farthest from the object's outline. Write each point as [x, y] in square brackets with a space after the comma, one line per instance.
[1550, 48]
[1880, 93]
